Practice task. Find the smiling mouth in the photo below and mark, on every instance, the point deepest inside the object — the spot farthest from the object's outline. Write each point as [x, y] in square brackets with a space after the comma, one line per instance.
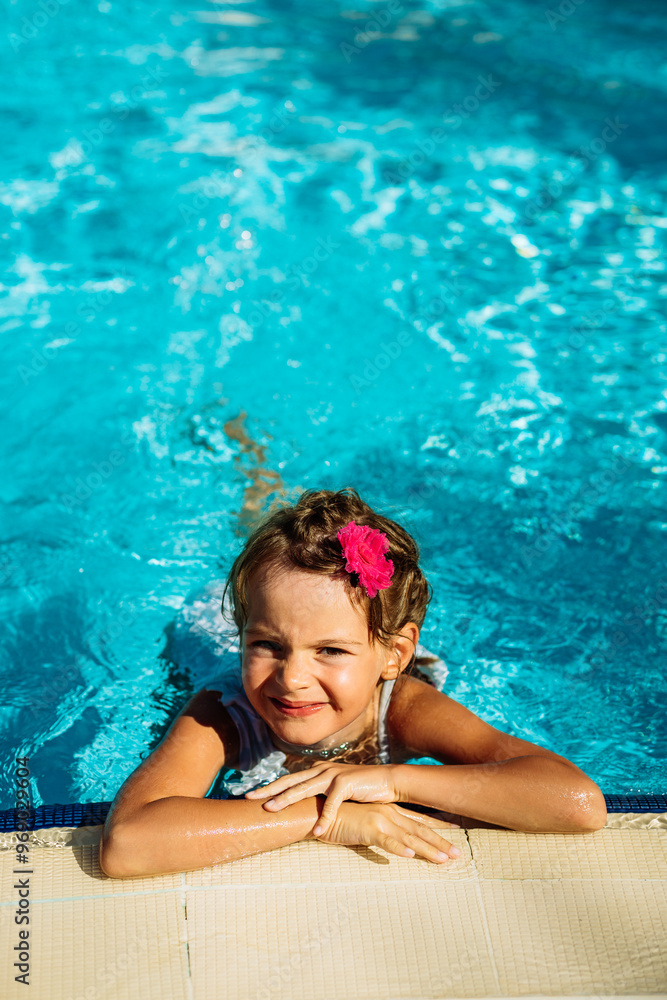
[297, 704]
[297, 707]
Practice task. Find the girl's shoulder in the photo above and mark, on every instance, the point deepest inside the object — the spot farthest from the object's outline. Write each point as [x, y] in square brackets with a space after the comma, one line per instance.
[414, 696]
[199, 742]
[210, 709]
[406, 688]
[430, 723]
[428, 672]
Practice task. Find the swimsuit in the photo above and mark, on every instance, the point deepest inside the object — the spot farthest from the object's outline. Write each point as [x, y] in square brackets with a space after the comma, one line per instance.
[260, 761]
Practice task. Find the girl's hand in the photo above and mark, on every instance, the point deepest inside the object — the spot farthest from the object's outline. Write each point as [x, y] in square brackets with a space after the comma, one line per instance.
[390, 827]
[361, 782]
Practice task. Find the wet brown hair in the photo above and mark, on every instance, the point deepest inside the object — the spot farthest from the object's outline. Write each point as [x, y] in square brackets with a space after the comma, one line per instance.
[304, 534]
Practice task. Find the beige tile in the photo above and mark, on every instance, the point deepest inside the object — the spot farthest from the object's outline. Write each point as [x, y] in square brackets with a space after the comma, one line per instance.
[349, 942]
[577, 937]
[103, 949]
[522, 915]
[608, 854]
[64, 871]
[309, 862]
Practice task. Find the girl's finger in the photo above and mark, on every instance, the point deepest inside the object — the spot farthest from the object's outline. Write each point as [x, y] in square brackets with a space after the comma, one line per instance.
[301, 791]
[341, 789]
[424, 818]
[438, 852]
[424, 849]
[279, 785]
[276, 786]
[396, 847]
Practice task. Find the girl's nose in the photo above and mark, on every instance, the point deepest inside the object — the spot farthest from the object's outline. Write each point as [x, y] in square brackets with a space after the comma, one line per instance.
[294, 671]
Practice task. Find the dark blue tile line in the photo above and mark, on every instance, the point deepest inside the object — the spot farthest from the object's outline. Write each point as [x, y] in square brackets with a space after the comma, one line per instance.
[636, 803]
[94, 813]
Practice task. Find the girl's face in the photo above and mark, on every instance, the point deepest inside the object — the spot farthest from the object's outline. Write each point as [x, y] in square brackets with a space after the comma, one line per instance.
[305, 644]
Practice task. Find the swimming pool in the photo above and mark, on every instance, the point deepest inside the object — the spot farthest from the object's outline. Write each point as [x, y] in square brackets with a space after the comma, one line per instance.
[417, 248]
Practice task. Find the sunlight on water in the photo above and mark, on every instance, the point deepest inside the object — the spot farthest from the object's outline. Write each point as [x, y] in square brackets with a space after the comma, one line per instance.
[406, 247]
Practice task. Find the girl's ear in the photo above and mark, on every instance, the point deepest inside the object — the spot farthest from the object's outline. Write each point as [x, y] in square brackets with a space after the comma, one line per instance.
[405, 644]
[391, 668]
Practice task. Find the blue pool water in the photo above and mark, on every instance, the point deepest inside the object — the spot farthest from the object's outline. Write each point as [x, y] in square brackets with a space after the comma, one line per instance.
[268, 246]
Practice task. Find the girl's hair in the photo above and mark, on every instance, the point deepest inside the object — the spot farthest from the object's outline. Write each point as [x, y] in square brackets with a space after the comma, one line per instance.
[305, 534]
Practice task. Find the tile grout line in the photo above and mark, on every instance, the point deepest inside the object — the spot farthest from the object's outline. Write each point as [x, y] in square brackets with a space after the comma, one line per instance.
[294, 885]
[184, 904]
[487, 933]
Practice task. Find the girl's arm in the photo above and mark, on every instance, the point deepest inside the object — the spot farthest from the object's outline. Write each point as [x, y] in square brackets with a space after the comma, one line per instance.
[181, 833]
[487, 774]
[160, 823]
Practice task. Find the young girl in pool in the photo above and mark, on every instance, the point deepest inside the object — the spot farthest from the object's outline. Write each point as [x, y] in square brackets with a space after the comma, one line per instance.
[328, 599]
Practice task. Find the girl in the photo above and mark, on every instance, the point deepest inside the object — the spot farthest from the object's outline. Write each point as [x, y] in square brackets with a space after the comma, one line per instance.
[328, 599]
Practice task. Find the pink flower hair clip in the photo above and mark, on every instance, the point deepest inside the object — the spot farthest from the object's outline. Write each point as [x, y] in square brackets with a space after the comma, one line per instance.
[363, 549]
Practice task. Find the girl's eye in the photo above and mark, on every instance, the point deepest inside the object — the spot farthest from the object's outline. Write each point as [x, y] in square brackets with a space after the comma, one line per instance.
[329, 650]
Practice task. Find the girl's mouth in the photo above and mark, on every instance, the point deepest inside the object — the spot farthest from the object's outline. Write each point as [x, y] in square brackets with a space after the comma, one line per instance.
[297, 708]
